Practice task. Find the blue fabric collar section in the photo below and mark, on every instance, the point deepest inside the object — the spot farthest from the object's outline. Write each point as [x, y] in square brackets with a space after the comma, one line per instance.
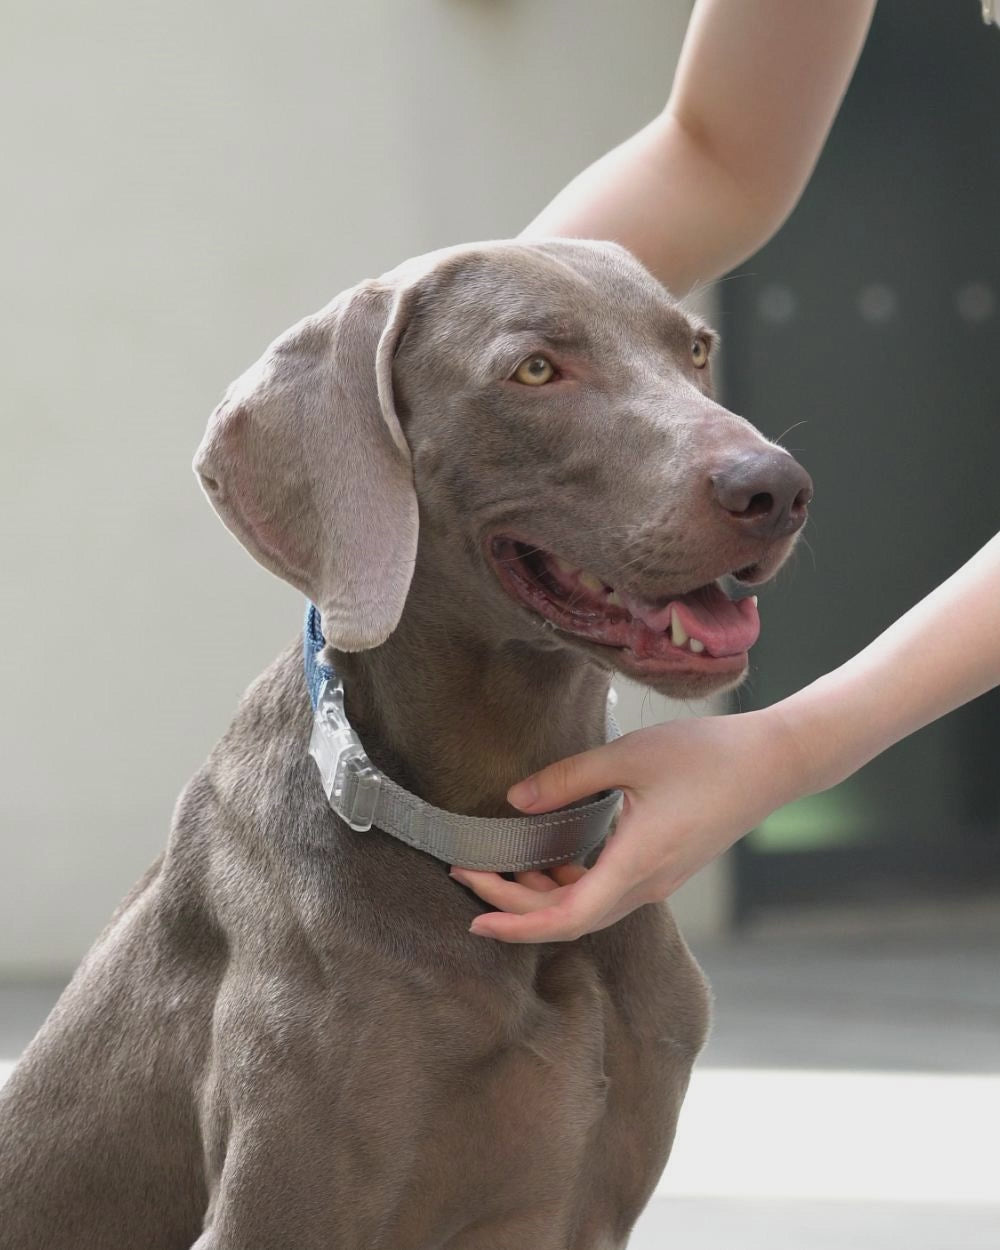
[313, 643]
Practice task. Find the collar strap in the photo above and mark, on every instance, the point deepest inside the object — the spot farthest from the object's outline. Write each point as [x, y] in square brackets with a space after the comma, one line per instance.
[362, 795]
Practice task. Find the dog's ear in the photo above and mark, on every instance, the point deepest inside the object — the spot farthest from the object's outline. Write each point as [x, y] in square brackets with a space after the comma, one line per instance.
[306, 463]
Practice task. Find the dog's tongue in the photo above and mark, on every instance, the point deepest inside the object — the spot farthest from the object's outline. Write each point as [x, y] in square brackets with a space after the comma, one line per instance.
[725, 626]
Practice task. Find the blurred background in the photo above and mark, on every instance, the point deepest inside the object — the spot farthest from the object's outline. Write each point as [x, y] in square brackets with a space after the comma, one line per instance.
[185, 180]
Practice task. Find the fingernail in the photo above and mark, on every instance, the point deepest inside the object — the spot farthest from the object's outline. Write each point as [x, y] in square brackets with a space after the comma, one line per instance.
[524, 794]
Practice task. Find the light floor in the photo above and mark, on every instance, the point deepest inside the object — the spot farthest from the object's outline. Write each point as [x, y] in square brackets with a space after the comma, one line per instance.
[849, 1098]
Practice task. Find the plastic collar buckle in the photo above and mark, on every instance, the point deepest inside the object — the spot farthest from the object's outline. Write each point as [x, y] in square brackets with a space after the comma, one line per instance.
[350, 780]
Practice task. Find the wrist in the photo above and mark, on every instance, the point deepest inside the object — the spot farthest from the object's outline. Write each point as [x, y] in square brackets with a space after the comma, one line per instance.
[800, 759]
[830, 728]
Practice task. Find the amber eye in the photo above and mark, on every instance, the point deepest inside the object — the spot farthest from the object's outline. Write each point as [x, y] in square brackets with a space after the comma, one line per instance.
[699, 352]
[535, 371]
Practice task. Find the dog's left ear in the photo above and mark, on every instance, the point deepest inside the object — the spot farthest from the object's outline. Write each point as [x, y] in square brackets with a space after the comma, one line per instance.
[306, 463]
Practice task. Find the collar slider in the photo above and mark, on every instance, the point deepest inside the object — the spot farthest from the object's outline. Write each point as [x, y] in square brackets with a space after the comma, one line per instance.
[350, 780]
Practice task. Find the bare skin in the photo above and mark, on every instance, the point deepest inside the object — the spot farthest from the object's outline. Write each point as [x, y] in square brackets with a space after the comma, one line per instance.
[695, 192]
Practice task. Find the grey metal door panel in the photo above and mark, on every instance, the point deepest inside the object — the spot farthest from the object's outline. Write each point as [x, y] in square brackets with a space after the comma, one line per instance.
[871, 327]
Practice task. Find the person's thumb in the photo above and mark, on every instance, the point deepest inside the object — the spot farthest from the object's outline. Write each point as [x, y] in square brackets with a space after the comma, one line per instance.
[566, 780]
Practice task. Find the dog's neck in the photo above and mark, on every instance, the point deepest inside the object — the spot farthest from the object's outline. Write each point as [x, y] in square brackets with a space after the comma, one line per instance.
[459, 733]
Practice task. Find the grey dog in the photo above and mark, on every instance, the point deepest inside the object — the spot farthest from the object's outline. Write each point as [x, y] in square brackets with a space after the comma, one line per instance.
[499, 473]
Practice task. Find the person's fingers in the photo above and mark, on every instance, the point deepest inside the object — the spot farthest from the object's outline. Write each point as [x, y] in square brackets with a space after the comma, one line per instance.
[568, 779]
[597, 892]
[499, 892]
[568, 874]
[582, 906]
[560, 922]
[490, 885]
[536, 880]
[548, 924]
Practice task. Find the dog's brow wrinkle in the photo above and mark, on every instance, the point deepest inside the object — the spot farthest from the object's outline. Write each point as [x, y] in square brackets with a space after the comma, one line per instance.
[679, 332]
[556, 330]
[513, 346]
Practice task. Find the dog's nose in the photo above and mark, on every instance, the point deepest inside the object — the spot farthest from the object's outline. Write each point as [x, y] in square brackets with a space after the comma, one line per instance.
[767, 493]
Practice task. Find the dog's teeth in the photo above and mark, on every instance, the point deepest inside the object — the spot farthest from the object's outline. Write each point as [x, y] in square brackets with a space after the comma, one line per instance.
[562, 567]
[591, 582]
[753, 600]
[678, 635]
[615, 598]
[697, 646]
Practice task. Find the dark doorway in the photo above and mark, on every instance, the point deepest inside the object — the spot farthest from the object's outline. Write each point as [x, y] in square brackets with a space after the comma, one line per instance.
[873, 319]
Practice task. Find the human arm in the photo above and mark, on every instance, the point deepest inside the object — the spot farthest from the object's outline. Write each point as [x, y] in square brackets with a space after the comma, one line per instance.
[711, 178]
[692, 788]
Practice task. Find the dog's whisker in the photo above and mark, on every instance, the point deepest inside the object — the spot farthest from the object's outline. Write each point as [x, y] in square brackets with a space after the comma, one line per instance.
[794, 426]
[804, 541]
[646, 705]
[709, 284]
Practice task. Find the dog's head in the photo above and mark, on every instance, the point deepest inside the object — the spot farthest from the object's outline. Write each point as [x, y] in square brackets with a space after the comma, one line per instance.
[542, 415]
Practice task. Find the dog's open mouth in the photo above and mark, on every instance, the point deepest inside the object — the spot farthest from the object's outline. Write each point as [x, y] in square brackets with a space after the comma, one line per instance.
[703, 629]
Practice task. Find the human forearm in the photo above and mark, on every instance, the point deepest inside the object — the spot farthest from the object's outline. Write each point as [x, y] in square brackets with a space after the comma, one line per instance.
[710, 179]
[669, 201]
[939, 655]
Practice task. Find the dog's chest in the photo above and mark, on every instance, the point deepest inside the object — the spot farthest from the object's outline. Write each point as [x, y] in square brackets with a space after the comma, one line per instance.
[550, 1100]
[394, 1083]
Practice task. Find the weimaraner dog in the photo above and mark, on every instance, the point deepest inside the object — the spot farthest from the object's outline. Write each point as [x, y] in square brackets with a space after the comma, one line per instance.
[499, 474]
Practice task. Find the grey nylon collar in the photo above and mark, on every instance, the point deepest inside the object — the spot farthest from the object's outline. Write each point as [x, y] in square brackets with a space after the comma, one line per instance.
[364, 796]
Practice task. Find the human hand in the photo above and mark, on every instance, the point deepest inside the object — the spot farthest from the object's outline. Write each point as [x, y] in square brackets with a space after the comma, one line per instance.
[691, 789]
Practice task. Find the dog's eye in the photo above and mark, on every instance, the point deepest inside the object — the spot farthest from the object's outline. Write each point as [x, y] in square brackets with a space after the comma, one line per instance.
[699, 352]
[535, 371]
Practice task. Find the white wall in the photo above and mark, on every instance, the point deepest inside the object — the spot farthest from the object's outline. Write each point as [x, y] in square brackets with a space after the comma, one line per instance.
[183, 181]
